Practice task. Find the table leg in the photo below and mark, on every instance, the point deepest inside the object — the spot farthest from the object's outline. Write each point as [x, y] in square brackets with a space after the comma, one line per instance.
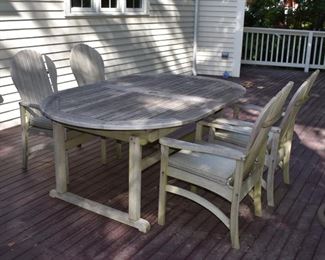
[135, 157]
[132, 218]
[60, 158]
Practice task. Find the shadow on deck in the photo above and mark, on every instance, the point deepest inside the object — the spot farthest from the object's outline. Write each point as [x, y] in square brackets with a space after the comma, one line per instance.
[35, 226]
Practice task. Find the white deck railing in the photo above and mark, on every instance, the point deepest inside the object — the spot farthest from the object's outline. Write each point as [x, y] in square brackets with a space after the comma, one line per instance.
[284, 47]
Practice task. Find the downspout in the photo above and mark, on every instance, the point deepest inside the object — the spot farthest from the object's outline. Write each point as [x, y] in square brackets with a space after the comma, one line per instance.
[194, 70]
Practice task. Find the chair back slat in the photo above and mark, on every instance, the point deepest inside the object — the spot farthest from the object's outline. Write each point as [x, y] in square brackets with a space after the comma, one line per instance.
[31, 77]
[87, 65]
[51, 69]
[270, 114]
[296, 102]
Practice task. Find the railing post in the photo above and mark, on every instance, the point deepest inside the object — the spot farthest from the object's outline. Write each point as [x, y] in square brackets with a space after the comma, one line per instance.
[308, 54]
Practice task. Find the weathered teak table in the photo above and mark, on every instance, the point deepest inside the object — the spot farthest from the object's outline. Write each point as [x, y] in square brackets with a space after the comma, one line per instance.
[138, 109]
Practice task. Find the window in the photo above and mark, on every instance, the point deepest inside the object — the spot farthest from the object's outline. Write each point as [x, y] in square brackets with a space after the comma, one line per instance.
[81, 3]
[133, 3]
[109, 4]
[106, 7]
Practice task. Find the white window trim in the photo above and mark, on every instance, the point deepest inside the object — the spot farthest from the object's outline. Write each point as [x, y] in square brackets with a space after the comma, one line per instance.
[96, 9]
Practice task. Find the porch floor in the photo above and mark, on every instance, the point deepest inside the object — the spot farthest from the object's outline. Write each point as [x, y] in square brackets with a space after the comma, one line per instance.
[35, 226]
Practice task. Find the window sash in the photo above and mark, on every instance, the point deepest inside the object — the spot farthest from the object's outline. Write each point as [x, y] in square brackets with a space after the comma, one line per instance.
[110, 4]
[133, 2]
[108, 10]
[82, 2]
[143, 9]
[96, 9]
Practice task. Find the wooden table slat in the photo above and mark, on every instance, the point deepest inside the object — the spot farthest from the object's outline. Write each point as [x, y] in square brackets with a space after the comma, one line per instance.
[141, 102]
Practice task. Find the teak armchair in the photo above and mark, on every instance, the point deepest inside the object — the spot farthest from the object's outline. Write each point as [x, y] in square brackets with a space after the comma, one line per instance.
[88, 67]
[35, 78]
[280, 137]
[232, 173]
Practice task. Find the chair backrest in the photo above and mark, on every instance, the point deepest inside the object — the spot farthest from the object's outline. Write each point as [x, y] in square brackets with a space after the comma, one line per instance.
[270, 114]
[296, 102]
[87, 65]
[34, 76]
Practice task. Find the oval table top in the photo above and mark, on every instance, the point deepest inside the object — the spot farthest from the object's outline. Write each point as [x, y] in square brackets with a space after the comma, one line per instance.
[141, 102]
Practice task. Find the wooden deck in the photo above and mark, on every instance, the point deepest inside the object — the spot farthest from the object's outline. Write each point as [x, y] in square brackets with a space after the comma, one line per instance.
[35, 226]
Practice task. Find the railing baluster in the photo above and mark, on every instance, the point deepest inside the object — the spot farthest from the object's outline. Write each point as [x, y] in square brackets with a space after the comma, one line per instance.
[262, 45]
[315, 50]
[305, 48]
[299, 49]
[277, 48]
[246, 45]
[288, 48]
[272, 50]
[308, 54]
[293, 50]
[256, 46]
[283, 41]
[251, 52]
[267, 48]
[320, 51]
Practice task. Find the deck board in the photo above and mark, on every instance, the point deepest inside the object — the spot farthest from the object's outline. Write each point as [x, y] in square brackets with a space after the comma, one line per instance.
[35, 226]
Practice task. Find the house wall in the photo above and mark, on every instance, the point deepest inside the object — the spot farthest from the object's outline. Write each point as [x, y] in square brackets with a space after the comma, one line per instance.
[220, 29]
[161, 42]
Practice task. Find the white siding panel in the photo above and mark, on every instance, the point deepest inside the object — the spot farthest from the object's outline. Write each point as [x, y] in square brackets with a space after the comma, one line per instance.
[160, 42]
[220, 24]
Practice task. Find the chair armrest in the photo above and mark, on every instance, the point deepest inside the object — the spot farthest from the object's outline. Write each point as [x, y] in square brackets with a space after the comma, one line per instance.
[251, 108]
[30, 105]
[200, 148]
[234, 122]
[232, 125]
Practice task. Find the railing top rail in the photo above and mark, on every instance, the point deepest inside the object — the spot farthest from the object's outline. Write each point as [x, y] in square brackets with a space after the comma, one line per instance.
[283, 31]
[319, 33]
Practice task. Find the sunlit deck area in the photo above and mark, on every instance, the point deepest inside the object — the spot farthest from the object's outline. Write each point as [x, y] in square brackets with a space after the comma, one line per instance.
[35, 226]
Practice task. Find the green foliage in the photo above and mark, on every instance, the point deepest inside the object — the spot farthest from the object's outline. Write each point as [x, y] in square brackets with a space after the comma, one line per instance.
[309, 14]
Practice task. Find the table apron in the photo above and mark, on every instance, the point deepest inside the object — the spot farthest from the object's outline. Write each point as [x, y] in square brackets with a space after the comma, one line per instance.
[146, 136]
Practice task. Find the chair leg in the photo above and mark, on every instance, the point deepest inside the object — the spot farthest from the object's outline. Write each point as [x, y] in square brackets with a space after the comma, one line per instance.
[24, 118]
[234, 229]
[257, 197]
[25, 148]
[119, 149]
[198, 132]
[270, 183]
[286, 159]
[272, 164]
[211, 135]
[198, 137]
[235, 109]
[234, 213]
[162, 185]
[67, 167]
[103, 150]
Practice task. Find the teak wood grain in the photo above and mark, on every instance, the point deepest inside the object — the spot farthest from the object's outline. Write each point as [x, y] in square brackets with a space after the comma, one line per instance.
[35, 226]
[141, 102]
[138, 109]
